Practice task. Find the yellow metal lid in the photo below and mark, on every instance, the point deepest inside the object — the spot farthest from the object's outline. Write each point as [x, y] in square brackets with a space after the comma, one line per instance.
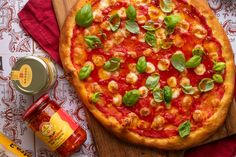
[30, 75]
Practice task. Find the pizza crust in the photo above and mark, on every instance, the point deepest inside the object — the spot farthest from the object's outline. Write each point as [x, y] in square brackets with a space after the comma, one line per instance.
[112, 125]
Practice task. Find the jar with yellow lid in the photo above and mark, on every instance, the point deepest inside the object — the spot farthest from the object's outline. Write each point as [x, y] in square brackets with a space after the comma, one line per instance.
[32, 75]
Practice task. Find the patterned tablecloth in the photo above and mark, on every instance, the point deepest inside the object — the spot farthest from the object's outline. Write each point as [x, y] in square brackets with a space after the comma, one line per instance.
[14, 43]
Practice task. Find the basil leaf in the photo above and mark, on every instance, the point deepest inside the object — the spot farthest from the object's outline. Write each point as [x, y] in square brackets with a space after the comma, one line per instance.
[84, 16]
[184, 129]
[131, 13]
[158, 95]
[150, 38]
[132, 27]
[114, 22]
[172, 20]
[148, 28]
[194, 61]
[85, 72]
[219, 66]
[95, 97]
[167, 92]
[218, 78]
[131, 98]
[166, 6]
[206, 85]
[188, 89]
[152, 81]
[141, 64]
[198, 52]
[178, 61]
[112, 64]
[93, 41]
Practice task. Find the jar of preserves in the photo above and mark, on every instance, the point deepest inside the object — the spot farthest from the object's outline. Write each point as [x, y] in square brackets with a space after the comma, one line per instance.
[54, 126]
[32, 75]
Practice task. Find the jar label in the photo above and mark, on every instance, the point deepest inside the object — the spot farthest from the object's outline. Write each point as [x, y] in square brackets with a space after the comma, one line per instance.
[55, 132]
[24, 75]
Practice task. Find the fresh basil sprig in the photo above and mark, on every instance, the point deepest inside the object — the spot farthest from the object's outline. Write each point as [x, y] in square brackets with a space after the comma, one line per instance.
[152, 81]
[206, 85]
[112, 64]
[131, 97]
[184, 129]
[114, 22]
[166, 6]
[188, 89]
[150, 38]
[93, 41]
[95, 97]
[178, 61]
[194, 61]
[172, 20]
[158, 95]
[141, 64]
[84, 16]
[85, 72]
[149, 26]
[219, 66]
[132, 26]
[218, 78]
[131, 12]
[198, 52]
[167, 92]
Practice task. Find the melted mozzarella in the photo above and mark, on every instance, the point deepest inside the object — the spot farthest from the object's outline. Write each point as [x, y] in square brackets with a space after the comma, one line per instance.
[150, 68]
[184, 81]
[197, 115]
[103, 74]
[98, 60]
[141, 19]
[199, 31]
[117, 100]
[122, 12]
[163, 64]
[176, 93]
[98, 16]
[172, 81]
[144, 111]
[147, 52]
[161, 33]
[200, 69]
[143, 91]
[131, 78]
[133, 54]
[158, 122]
[113, 86]
[105, 26]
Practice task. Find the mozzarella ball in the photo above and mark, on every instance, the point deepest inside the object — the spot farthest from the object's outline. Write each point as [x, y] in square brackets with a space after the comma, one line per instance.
[172, 81]
[98, 60]
[144, 111]
[143, 91]
[150, 68]
[163, 64]
[117, 100]
[200, 69]
[131, 78]
[113, 86]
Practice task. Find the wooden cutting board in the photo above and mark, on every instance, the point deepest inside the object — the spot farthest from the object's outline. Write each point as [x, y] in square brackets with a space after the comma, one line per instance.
[108, 145]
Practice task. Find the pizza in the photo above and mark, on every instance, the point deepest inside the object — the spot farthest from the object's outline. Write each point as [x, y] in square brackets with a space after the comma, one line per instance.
[158, 73]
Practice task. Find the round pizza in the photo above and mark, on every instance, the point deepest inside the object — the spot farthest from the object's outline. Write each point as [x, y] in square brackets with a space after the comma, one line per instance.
[158, 73]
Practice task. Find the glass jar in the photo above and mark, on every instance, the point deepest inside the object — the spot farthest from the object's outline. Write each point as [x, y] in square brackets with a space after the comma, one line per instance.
[32, 75]
[54, 126]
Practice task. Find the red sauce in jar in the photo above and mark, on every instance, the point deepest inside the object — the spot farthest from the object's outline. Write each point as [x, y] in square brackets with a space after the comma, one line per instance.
[54, 126]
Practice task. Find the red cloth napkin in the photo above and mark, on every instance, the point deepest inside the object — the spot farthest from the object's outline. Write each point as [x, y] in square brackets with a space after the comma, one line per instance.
[38, 19]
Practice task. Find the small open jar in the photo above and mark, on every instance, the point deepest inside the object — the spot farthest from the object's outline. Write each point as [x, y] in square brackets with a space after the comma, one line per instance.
[33, 75]
[54, 126]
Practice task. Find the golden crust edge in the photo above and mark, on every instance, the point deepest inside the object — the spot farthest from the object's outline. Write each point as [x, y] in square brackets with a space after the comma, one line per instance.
[173, 143]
